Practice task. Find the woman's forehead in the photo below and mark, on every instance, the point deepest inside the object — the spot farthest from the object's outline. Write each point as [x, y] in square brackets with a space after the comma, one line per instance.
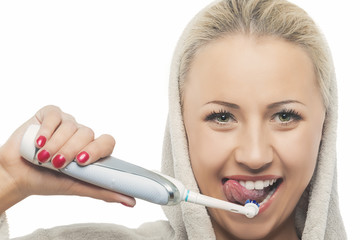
[239, 60]
[238, 65]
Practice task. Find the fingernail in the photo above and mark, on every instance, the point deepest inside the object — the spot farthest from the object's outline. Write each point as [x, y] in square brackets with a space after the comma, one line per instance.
[43, 156]
[41, 141]
[58, 161]
[127, 205]
[82, 157]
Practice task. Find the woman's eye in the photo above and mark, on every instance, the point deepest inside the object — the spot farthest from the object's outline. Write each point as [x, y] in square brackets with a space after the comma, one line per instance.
[221, 117]
[286, 117]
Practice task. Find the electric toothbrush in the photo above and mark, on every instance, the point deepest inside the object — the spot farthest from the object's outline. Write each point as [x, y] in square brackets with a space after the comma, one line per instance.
[129, 179]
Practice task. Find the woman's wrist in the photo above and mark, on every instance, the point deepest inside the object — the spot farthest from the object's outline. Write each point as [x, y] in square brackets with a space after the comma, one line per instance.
[9, 192]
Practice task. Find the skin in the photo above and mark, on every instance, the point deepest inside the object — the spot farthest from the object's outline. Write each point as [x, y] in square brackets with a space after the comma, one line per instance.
[254, 80]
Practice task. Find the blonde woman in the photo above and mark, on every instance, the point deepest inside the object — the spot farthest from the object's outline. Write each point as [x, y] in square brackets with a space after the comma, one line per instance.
[252, 114]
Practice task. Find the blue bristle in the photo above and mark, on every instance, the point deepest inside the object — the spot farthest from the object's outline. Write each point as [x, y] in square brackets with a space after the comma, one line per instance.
[252, 201]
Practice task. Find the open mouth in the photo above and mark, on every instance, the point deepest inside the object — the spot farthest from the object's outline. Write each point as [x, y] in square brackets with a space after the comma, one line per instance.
[238, 191]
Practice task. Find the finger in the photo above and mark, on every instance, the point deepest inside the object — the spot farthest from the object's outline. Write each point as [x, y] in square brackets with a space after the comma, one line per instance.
[99, 148]
[81, 138]
[62, 134]
[49, 118]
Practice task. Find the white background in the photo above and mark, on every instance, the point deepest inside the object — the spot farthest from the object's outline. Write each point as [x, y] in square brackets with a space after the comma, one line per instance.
[107, 63]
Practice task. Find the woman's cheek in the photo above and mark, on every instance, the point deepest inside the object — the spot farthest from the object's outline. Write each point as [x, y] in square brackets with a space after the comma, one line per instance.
[297, 151]
[209, 151]
[213, 147]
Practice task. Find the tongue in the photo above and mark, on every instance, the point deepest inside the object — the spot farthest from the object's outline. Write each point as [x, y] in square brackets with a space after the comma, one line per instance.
[235, 192]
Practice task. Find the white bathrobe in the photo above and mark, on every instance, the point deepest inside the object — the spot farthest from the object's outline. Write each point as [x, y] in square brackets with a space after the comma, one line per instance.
[317, 214]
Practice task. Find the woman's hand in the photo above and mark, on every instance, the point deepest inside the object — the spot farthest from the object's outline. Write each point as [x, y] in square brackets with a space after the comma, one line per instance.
[60, 139]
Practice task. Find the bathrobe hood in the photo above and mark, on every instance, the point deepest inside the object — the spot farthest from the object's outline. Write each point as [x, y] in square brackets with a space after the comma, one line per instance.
[317, 214]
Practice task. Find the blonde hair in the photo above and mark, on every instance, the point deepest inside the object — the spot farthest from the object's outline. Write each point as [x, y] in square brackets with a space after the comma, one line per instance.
[277, 18]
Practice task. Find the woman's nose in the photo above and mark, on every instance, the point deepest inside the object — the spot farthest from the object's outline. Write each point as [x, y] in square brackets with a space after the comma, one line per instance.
[254, 150]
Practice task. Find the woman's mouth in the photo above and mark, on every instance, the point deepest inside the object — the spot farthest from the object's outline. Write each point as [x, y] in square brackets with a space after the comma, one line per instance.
[239, 190]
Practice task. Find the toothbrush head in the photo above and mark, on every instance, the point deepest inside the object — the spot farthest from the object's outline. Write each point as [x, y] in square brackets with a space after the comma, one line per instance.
[252, 208]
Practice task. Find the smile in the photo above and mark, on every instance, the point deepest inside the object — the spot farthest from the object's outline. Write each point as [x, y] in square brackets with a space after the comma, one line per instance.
[238, 190]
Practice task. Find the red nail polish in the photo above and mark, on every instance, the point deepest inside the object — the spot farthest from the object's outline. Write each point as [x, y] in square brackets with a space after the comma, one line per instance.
[58, 161]
[126, 205]
[82, 157]
[41, 141]
[43, 156]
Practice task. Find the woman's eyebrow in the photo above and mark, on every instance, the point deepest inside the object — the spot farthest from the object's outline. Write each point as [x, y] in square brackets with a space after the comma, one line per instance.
[226, 104]
[277, 104]
[270, 106]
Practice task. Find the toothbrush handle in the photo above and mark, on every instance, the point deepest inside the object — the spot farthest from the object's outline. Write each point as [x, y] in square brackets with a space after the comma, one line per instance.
[119, 181]
[110, 173]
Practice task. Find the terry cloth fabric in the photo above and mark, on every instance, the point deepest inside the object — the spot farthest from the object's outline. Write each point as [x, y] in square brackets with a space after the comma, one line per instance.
[4, 228]
[317, 214]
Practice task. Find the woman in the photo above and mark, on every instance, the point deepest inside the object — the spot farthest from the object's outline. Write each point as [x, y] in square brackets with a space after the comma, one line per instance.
[252, 115]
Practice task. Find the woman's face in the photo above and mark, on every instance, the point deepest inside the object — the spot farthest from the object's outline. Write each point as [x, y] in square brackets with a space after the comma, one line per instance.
[253, 114]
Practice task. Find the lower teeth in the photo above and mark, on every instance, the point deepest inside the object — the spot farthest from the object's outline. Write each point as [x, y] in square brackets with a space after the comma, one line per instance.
[268, 196]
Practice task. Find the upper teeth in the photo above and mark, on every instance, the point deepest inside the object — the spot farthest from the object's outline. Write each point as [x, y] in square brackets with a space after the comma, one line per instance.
[258, 185]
